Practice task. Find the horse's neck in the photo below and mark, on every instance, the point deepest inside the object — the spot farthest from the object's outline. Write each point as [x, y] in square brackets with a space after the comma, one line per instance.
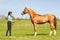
[32, 14]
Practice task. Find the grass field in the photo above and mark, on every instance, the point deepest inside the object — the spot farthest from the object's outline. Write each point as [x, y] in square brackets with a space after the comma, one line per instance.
[23, 30]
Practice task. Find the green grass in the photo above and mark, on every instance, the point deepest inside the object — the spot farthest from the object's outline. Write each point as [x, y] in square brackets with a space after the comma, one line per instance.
[23, 30]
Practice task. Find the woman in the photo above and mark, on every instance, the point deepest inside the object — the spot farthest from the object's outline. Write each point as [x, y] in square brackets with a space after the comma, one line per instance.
[9, 23]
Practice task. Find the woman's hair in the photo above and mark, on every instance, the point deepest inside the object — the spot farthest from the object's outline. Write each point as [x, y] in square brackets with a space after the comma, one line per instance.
[9, 12]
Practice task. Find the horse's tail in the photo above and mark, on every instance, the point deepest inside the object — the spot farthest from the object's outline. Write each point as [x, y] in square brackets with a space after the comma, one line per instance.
[55, 22]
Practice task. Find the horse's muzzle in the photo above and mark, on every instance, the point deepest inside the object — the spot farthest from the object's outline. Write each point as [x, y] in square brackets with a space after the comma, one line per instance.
[22, 14]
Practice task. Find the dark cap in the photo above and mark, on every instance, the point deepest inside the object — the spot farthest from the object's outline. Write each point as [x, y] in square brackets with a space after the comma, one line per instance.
[9, 12]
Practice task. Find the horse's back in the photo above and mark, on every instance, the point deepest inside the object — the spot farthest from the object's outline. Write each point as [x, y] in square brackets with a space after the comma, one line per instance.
[45, 18]
[51, 17]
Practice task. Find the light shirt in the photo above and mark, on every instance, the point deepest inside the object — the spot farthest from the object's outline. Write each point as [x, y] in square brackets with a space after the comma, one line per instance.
[9, 18]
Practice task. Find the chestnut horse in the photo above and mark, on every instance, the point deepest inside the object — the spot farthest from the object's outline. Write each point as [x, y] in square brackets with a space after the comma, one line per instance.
[40, 19]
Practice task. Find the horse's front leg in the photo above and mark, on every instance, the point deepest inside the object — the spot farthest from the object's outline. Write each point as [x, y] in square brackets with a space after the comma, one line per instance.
[35, 33]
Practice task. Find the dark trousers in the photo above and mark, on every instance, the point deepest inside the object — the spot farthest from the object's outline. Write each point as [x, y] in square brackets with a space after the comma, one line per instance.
[9, 24]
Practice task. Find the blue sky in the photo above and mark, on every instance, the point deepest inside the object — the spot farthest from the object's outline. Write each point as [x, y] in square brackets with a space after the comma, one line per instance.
[39, 6]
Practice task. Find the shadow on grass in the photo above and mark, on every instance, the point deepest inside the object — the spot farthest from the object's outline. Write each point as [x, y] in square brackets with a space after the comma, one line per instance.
[0, 38]
[37, 34]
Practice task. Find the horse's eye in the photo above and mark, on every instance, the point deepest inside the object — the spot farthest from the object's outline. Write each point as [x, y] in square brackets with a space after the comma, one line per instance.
[25, 10]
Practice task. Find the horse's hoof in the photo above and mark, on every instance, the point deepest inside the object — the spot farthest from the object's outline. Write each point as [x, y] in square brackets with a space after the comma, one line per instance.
[35, 34]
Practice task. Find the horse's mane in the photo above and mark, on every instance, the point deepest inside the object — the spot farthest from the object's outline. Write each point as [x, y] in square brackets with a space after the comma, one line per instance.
[40, 15]
[34, 12]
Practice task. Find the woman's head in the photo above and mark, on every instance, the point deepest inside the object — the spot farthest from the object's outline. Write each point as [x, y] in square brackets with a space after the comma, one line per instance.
[10, 13]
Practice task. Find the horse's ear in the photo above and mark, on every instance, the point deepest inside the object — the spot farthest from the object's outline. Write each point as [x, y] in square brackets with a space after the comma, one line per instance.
[25, 7]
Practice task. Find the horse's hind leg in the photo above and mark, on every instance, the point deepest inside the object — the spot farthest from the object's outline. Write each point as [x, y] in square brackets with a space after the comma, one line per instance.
[54, 32]
[51, 28]
[55, 27]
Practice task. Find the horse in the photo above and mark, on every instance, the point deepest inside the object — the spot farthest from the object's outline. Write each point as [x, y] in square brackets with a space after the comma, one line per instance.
[41, 19]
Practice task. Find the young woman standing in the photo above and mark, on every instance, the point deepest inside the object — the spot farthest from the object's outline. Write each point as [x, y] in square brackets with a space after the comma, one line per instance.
[9, 23]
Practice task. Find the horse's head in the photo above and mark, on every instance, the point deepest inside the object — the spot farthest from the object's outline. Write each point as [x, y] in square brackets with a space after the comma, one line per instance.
[24, 11]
